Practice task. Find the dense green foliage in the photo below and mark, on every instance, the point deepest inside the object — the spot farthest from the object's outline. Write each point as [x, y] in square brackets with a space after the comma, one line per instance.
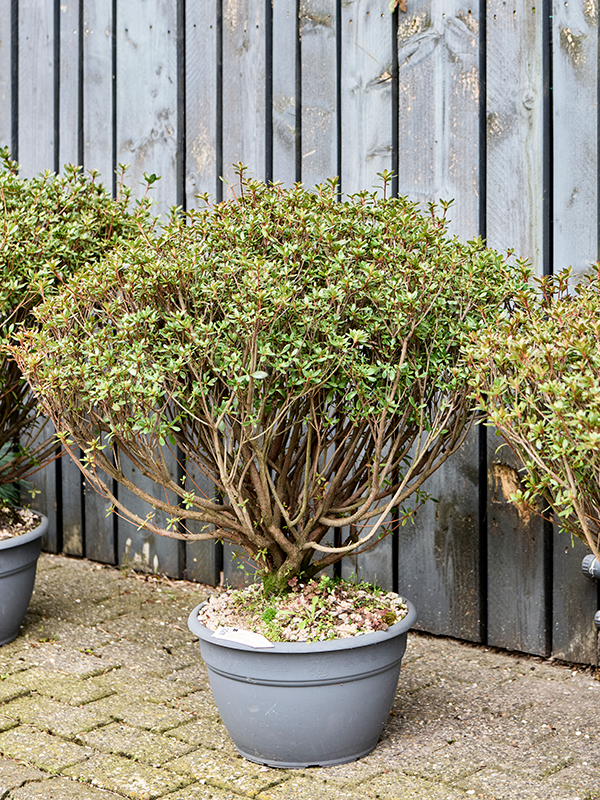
[537, 376]
[301, 353]
[49, 227]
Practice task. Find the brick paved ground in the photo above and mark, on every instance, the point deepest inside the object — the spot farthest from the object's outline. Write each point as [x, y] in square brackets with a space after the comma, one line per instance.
[105, 695]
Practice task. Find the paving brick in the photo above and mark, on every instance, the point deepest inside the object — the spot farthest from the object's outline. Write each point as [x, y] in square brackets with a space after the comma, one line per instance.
[151, 716]
[14, 774]
[63, 658]
[40, 748]
[59, 789]
[58, 685]
[153, 631]
[145, 660]
[151, 689]
[126, 740]
[228, 772]
[54, 716]
[129, 778]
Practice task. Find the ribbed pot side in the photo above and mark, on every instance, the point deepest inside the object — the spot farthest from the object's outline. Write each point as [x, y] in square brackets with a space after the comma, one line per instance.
[305, 704]
[18, 563]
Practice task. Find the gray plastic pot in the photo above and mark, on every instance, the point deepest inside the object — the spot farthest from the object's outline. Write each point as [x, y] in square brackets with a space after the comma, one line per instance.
[18, 562]
[305, 704]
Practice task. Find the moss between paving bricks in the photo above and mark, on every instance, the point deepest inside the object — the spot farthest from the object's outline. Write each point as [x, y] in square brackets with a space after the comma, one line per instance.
[129, 778]
[59, 789]
[59, 686]
[13, 774]
[151, 716]
[54, 716]
[40, 748]
[228, 772]
[63, 658]
[147, 660]
[131, 742]
[150, 689]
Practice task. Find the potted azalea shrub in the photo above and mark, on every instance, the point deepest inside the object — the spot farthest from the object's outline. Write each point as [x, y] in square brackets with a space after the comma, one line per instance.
[50, 225]
[536, 374]
[304, 355]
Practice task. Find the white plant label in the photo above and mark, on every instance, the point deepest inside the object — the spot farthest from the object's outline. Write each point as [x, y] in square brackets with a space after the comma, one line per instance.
[242, 637]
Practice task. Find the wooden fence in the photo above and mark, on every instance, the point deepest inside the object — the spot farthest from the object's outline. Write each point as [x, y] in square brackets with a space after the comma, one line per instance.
[493, 104]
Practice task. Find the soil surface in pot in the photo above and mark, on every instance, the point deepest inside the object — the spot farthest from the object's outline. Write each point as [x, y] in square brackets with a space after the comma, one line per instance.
[15, 521]
[311, 611]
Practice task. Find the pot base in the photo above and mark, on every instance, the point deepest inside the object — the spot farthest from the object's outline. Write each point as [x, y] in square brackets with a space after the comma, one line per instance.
[305, 764]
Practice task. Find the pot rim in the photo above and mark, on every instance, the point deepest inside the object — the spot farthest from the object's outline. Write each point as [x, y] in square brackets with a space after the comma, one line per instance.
[352, 643]
[30, 536]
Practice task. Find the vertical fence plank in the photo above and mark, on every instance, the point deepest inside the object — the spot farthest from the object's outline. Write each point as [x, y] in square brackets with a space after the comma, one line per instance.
[69, 153]
[284, 91]
[43, 495]
[243, 88]
[575, 217]
[575, 601]
[36, 86]
[319, 105]
[69, 122]
[98, 111]
[5, 73]
[438, 158]
[366, 93]
[147, 95]
[366, 113]
[202, 559]
[517, 550]
[146, 118]
[201, 100]
[575, 134]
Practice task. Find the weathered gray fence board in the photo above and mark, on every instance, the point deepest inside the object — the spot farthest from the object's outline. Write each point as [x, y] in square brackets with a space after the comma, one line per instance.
[366, 94]
[439, 553]
[319, 120]
[575, 215]
[146, 118]
[142, 549]
[68, 109]
[575, 601]
[575, 128]
[147, 107]
[515, 129]
[71, 507]
[243, 88]
[44, 496]
[98, 111]
[99, 526]
[5, 74]
[36, 86]
[517, 589]
[201, 100]
[438, 158]
[517, 585]
[284, 91]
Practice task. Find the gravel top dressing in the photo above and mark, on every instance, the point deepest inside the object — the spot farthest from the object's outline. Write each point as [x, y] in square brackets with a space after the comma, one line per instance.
[15, 521]
[310, 612]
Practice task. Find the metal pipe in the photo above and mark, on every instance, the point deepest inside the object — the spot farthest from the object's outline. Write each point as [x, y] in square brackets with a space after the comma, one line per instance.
[591, 567]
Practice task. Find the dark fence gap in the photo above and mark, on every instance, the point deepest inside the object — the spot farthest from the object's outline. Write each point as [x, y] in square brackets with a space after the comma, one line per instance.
[269, 91]
[395, 127]
[114, 98]
[219, 101]
[482, 444]
[181, 104]
[338, 92]
[298, 90]
[57, 164]
[80, 92]
[14, 78]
